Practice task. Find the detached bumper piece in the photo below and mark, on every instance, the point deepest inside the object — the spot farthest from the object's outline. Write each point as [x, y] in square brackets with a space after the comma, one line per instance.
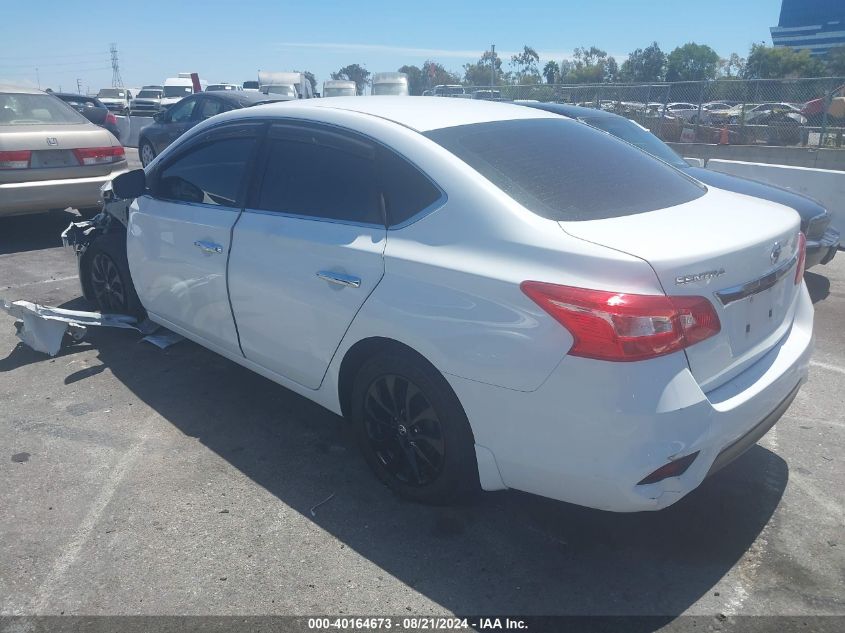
[44, 328]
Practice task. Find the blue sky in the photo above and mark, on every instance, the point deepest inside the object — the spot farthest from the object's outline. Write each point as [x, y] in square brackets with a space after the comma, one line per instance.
[230, 40]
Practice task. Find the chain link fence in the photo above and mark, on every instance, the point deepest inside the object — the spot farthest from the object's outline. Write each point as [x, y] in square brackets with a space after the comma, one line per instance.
[785, 112]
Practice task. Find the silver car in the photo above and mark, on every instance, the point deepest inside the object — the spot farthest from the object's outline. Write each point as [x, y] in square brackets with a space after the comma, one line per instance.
[51, 157]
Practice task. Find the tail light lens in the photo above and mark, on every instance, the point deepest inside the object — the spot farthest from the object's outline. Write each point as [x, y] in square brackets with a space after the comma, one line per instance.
[802, 258]
[111, 118]
[617, 326]
[17, 159]
[99, 155]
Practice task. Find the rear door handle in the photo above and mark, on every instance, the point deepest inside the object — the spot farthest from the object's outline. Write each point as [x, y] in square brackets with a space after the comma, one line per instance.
[208, 247]
[339, 278]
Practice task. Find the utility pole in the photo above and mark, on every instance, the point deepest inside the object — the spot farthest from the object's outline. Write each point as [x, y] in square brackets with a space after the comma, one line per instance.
[38, 77]
[492, 65]
[78, 86]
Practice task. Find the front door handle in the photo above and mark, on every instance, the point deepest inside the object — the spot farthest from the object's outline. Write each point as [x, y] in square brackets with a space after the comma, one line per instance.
[339, 278]
[208, 247]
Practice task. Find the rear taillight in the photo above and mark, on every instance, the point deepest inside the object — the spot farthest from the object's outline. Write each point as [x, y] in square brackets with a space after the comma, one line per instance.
[617, 326]
[802, 258]
[16, 159]
[111, 118]
[99, 155]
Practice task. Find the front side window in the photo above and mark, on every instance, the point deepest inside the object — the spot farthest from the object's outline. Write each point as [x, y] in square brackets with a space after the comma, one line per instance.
[332, 180]
[564, 170]
[210, 173]
[182, 111]
[211, 107]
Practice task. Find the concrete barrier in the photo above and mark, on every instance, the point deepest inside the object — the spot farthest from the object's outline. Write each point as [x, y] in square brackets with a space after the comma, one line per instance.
[794, 156]
[825, 185]
[130, 126]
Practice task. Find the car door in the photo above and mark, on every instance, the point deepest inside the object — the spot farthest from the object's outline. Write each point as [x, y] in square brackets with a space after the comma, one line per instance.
[307, 250]
[179, 234]
[181, 117]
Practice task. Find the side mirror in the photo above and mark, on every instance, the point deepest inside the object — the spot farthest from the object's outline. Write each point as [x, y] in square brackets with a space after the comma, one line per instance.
[130, 185]
[159, 116]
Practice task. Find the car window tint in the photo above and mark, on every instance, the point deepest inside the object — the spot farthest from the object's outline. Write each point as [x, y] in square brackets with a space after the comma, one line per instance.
[406, 190]
[317, 180]
[208, 174]
[209, 108]
[565, 170]
[183, 110]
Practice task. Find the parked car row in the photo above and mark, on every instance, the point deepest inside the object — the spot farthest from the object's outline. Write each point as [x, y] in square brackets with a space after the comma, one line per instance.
[587, 290]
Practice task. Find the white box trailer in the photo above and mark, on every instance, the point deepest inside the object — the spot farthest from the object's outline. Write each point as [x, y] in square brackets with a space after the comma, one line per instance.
[287, 84]
[390, 84]
[339, 88]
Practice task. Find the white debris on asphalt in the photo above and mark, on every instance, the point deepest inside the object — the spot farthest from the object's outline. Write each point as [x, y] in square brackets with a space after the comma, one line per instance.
[43, 327]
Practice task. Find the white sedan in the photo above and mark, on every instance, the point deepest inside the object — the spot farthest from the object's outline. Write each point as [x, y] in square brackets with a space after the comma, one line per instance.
[494, 296]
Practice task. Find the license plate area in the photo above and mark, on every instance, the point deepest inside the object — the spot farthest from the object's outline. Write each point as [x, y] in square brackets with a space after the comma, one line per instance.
[753, 319]
[48, 158]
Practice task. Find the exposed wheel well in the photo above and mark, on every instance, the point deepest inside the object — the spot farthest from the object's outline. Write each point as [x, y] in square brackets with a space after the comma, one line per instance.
[355, 358]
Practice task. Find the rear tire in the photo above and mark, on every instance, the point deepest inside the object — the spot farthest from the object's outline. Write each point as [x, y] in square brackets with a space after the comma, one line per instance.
[412, 429]
[146, 152]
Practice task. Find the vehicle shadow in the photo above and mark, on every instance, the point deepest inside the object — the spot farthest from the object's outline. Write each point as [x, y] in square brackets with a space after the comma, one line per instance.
[817, 285]
[20, 233]
[508, 552]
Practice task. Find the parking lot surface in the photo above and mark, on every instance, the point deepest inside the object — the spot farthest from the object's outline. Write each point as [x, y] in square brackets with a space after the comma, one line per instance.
[142, 481]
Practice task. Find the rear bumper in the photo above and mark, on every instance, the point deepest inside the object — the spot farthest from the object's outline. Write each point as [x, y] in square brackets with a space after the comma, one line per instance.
[19, 198]
[594, 429]
[823, 250]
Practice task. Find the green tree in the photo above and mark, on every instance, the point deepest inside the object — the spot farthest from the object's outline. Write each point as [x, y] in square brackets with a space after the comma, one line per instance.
[692, 62]
[835, 61]
[356, 73]
[416, 79]
[551, 72]
[478, 74]
[526, 64]
[768, 62]
[435, 74]
[733, 66]
[589, 66]
[644, 64]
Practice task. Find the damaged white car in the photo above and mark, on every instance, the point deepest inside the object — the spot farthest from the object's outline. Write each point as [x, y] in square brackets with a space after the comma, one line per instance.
[494, 296]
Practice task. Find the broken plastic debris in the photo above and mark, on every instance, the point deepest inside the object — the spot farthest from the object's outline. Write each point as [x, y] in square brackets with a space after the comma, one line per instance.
[44, 327]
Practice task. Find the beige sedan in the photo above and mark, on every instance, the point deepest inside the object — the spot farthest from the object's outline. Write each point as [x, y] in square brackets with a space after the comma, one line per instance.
[51, 157]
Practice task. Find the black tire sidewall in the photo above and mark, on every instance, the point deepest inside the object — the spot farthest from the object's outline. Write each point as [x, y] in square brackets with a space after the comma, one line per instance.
[459, 477]
[107, 245]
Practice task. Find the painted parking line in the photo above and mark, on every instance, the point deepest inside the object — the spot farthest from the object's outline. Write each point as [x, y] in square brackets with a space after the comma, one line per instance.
[836, 368]
[43, 281]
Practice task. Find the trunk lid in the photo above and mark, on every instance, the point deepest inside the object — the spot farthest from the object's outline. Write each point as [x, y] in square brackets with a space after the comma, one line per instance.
[737, 251]
[52, 150]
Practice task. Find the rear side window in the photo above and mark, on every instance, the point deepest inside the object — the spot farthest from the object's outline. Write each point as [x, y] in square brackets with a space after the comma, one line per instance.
[406, 190]
[303, 176]
[564, 170]
[208, 174]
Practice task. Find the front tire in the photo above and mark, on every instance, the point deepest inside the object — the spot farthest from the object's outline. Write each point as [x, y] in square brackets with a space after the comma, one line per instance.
[107, 280]
[146, 152]
[412, 429]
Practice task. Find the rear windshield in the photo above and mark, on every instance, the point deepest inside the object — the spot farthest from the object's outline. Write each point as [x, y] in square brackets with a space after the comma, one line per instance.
[34, 109]
[564, 170]
[632, 133]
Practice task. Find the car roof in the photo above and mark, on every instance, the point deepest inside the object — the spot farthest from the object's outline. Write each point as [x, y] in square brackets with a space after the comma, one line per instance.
[240, 97]
[417, 113]
[20, 89]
